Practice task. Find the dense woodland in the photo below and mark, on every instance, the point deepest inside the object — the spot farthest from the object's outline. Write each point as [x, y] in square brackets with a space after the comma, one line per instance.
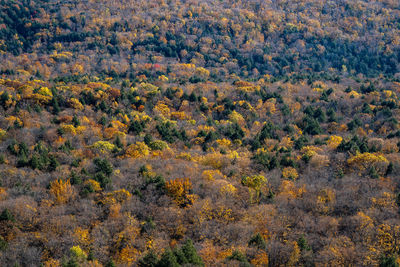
[199, 133]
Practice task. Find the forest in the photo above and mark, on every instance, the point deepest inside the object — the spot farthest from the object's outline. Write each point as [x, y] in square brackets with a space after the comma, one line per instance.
[167, 133]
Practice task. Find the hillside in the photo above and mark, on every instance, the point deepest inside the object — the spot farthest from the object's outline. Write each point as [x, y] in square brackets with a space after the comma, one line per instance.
[199, 133]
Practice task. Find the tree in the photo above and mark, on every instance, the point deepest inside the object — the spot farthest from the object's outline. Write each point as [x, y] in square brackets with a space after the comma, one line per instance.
[367, 160]
[53, 163]
[233, 131]
[258, 241]
[190, 253]
[118, 142]
[179, 190]
[61, 190]
[75, 121]
[290, 173]
[3, 244]
[388, 262]
[266, 159]
[303, 244]
[311, 126]
[149, 260]
[238, 256]
[104, 166]
[168, 259]
[169, 132]
[110, 263]
[334, 141]
[104, 146]
[255, 183]
[137, 150]
[6, 215]
[103, 179]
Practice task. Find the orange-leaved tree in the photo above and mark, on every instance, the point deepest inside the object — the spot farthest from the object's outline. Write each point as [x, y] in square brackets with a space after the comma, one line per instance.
[180, 191]
[62, 191]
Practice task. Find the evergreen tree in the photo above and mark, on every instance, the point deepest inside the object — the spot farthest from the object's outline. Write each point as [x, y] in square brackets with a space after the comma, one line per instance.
[6, 215]
[149, 260]
[190, 253]
[168, 259]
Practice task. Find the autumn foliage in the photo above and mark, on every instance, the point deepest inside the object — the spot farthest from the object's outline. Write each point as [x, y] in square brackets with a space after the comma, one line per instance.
[199, 133]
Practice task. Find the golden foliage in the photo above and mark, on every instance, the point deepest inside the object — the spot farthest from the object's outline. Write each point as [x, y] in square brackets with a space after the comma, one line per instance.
[45, 92]
[69, 129]
[140, 149]
[325, 199]
[338, 252]
[269, 106]
[180, 191]
[286, 143]
[294, 255]
[77, 252]
[3, 134]
[209, 253]
[162, 109]
[386, 200]
[366, 221]
[290, 173]
[184, 155]
[209, 212]
[310, 151]
[94, 184]
[61, 190]
[354, 94]
[236, 89]
[127, 254]
[74, 103]
[3, 193]
[52, 263]
[211, 175]
[43, 95]
[111, 132]
[387, 238]
[117, 196]
[103, 146]
[180, 115]
[228, 189]
[215, 160]
[260, 259]
[236, 117]
[12, 120]
[224, 142]
[289, 190]
[202, 72]
[255, 183]
[334, 141]
[120, 195]
[119, 125]
[83, 237]
[365, 160]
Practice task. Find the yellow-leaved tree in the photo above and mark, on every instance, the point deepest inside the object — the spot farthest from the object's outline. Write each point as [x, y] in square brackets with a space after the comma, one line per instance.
[254, 183]
[290, 173]
[140, 149]
[334, 141]
[180, 191]
[367, 161]
[103, 146]
[62, 191]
